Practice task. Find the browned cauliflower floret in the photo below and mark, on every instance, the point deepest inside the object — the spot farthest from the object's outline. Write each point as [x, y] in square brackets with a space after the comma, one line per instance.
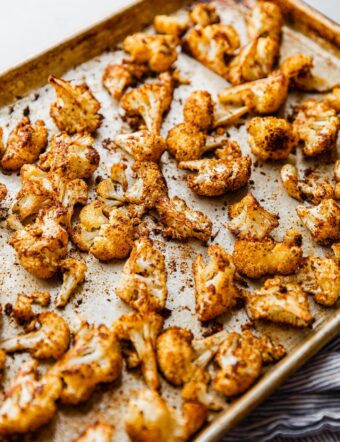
[22, 310]
[321, 278]
[264, 96]
[280, 302]
[314, 188]
[42, 245]
[257, 258]
[323, 220]
[49, 341]
[265, 19]
[157, 51]
[254, 61]
[150, 102]
[166, 24]
[98, 432]
[333, 99]
[3, 191]
[142, 329]
[73, 156]
[75, 109]
[337, 180]
[187, 142]
[73, 274]
[142, 146]
[199, 110]
[24, 144]
[112, 188]
[316, 127]
[216, 291]
[217, 177]
[106, 237]
[204, 14]
[181, 222]
[150, 419]
[270, 138]
[212, 45]
[143, 281]
[29, 402]
[94, 358]
[249, 220]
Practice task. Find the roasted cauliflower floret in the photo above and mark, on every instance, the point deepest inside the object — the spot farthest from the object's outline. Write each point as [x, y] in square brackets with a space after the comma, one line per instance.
[265, 19]
[333, 99]
[166, 24]
[204, 14]
[97, 432]
[3, 191]
[257, 258]
[280, 302]
[42, 245]
[49, 341]
[314, 188]
[94, 358]
[157, 51]
[316, 127]
[249, 220]
[216, 291]
[29, 402]
[187, 142]
[212, 45]
[323, 220]
[143, 281]
[321, 278]
[24, 144]
[270, 138]
[73, 274]
[217, 177]
[150, 419]
[264, 96]
[254, 61]
[180, 222]
[113, 188]
[75, 109]
[150, 102]
[199, 110]
[142, 145]
[142, 329]
[105, 237]
[22, 310]
[72, 156]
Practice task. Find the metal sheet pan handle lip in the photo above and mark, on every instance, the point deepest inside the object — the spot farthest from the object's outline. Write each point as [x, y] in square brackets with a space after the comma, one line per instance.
[272, 380]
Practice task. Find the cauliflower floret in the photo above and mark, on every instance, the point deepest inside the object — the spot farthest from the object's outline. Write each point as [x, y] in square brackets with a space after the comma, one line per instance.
[166, 24]
[49, 341]
[228, 115]
[204, 14]
[150, 102]
[75, 109]
[187, 142]
[73, 156]
[30, 402]
[321, 278]
[280, 302]
[270, 138]
[316, 127]
[94, 357]
[24, 144]
[73, 274]
[333, 99]
[265, 19]
[71, 193]
[217, 177]
[143, 281]
[42, 245]
[199, 110]
[97, 432]
[111, 188]
[249, 220]
[150, 419]
[22, 310]
[142, 146]
[257, 258]
[337, 180]
[105, 237]
[142, 329]
[212, 45]
[323, 220]
[314, 188]
[254, 61]
[216, 291]
[264, 96]
[3, 191]
[180, 222]
[157, 51]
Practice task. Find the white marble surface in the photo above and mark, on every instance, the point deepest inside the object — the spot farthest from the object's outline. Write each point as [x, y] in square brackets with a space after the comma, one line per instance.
[28, 27]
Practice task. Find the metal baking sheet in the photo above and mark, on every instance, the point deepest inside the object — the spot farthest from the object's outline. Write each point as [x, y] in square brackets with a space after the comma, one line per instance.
[97, 302]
